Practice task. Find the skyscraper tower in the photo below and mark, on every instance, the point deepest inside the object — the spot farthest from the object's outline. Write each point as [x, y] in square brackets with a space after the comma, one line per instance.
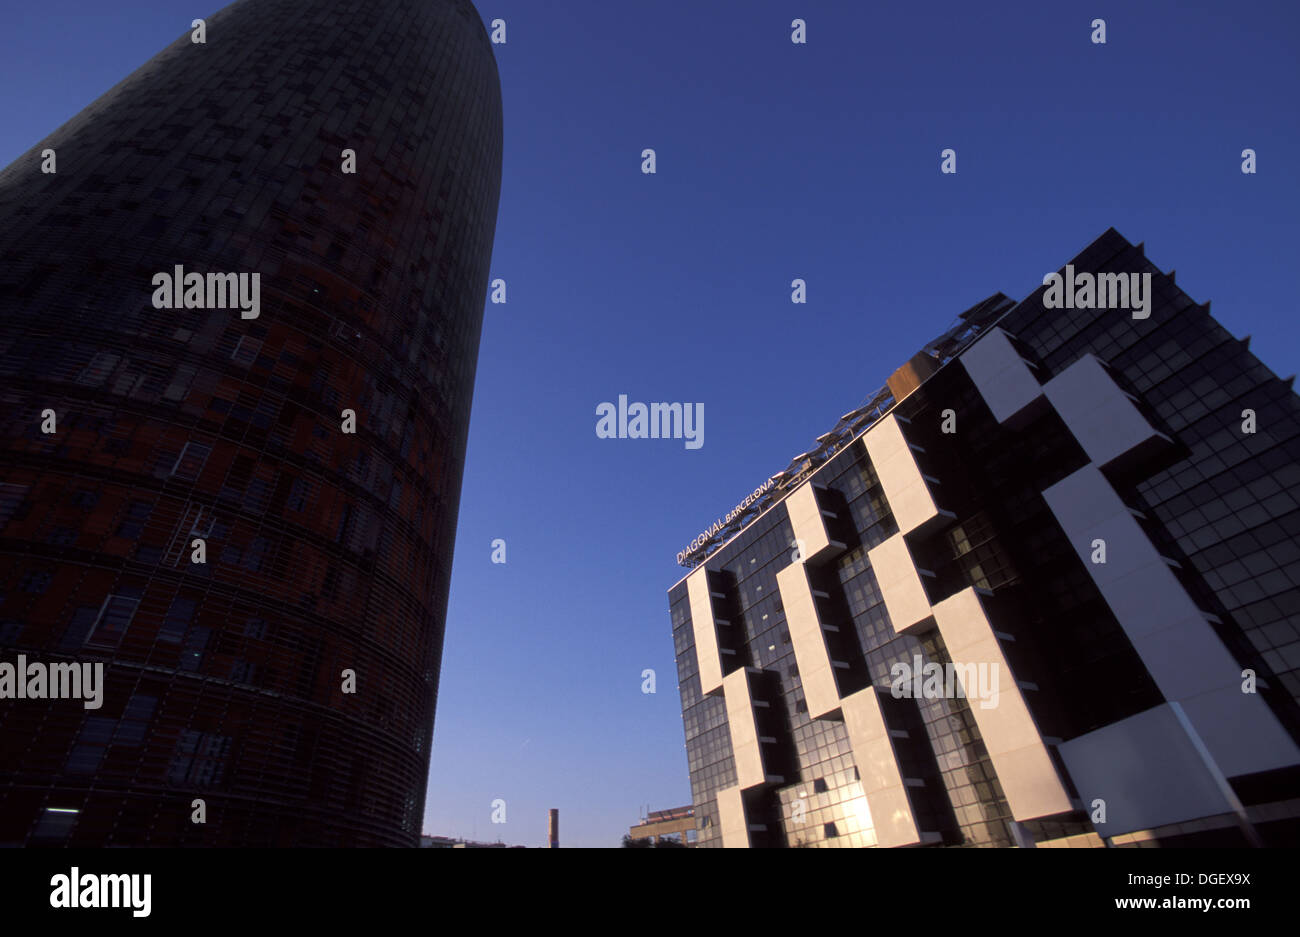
[240, 304]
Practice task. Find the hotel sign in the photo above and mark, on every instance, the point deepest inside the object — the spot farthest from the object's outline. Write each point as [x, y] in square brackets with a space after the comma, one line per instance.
[698, 543]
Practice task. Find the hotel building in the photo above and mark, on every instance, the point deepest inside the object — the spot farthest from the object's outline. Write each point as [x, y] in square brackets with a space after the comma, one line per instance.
[1085, 526]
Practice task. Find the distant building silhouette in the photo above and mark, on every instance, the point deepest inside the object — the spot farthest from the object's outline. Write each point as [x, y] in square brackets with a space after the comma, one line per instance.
[449, 842]
[677, 824]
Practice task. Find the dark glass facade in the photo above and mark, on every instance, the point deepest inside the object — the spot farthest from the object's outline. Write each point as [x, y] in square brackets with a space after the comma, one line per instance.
[1221, 506]
[326, 550]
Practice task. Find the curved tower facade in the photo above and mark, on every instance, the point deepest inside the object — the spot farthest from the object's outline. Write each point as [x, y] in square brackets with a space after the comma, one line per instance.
[239, 324]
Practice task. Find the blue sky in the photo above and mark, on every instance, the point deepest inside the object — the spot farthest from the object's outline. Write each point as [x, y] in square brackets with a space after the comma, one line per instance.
[775, 161]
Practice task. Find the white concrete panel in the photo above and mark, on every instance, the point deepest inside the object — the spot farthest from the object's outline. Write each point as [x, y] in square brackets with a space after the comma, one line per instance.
[873, 752]
[869, 738]
[1032, 785]
[1128, 548]
[809, 641]
[891, 813]
[1187, 659]
[731, 818]
[1240, 731]
[1178, 647]
[1136, 582]
[1149, 599]
[1147, 771]
[744, 730]
[809, 524]
[905, 488]
[1001, 375]
[1084, 497]
[706, 631]
[1030, 781]
[899, 582]
[1100, 416]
